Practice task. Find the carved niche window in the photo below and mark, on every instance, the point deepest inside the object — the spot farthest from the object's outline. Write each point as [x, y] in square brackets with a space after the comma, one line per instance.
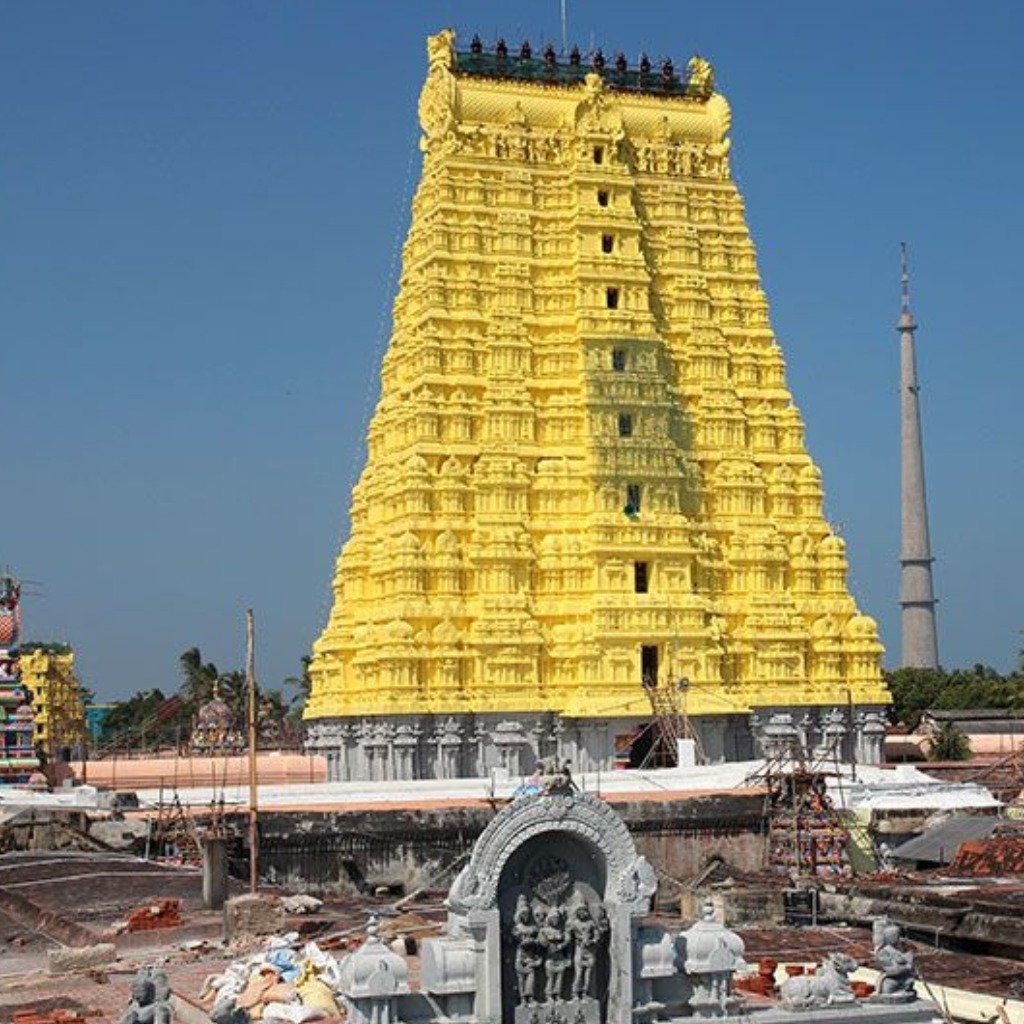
[641, 578]
[632, 500]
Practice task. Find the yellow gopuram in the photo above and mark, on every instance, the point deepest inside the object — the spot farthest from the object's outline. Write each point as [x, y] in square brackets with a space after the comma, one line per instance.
[587, 489]
[49, 674]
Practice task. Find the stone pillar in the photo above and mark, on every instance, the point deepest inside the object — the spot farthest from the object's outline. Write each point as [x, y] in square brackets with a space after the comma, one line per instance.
[215, 871]
[832, 736]
[480, 738]
[448, 740]
[870, 737]
[405, 750]
[344, 767]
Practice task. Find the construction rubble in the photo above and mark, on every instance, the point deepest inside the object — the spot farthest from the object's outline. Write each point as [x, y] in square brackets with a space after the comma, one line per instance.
[286, 980]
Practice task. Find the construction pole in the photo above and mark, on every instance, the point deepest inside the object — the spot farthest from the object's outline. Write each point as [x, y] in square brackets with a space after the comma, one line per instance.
[250, 680]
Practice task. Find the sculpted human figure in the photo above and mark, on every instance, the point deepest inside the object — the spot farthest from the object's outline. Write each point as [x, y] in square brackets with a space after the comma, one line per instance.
[556, 942]
[586, 935]
[528, 951]
[895, 963]
[150, 1002]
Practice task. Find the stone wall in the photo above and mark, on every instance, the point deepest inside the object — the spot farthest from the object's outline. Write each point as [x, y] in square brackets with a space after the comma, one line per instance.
[332, 851]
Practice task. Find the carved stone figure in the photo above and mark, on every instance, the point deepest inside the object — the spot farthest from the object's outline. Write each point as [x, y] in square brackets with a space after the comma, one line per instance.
[529, 954]
[828, 986]
[557, 943]
[895, 963]
[150, 1002]
[701, 78]
[586, 936]
[555, 776]
[713, 955]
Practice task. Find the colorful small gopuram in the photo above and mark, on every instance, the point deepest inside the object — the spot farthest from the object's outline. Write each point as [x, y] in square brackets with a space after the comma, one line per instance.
[18, 758]
[587, 486]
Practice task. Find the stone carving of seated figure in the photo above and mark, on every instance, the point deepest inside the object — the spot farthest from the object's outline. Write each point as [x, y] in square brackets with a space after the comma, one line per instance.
[150, 1002]
[828, 986]
[895, 963]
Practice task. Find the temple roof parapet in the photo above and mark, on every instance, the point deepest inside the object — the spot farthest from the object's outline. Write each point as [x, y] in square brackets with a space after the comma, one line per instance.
[476, 82]
[547, 68]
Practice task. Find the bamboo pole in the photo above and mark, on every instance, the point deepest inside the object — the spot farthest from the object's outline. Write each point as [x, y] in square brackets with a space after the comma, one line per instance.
[250, 679]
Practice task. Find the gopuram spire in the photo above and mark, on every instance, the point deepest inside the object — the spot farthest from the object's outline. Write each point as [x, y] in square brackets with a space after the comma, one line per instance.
[917, 598]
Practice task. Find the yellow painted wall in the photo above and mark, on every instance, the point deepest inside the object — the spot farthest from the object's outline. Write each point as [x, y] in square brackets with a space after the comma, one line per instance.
[490, 565]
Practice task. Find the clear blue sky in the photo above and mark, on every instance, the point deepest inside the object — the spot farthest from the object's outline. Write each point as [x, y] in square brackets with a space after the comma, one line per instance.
[198, 211]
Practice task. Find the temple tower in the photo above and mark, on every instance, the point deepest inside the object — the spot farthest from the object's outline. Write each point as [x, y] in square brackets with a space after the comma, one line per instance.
[917, 598]
[586, 476]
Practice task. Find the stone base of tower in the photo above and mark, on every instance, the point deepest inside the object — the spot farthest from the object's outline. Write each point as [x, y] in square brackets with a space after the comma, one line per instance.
[476, 746]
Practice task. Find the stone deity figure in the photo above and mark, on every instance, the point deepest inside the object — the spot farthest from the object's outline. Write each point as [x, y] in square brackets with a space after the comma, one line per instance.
[586, 935]
[150, 1002]
[529, 955]
[555, 776]
[161, 997]
[556, 942]
[895, 963]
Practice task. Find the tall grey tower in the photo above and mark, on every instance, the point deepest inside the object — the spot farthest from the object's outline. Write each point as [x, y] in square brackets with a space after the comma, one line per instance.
[917, 598]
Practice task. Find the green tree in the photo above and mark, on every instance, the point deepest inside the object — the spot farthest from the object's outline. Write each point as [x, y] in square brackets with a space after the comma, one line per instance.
[198, 677]
[949, 744]
[914, 690]
[146, 719]
[981, 686]
[302, 685]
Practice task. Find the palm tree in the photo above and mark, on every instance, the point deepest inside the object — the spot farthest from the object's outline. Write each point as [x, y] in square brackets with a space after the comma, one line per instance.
[199, 678]
[302, 686]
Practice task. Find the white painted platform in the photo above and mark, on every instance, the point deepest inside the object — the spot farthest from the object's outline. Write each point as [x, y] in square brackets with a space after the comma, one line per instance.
[876, 788]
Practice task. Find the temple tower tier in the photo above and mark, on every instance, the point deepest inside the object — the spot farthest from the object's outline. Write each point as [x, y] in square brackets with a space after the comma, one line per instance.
[587, 489]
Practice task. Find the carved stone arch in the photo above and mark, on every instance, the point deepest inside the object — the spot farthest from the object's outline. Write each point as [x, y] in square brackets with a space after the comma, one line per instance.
[629, 879]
